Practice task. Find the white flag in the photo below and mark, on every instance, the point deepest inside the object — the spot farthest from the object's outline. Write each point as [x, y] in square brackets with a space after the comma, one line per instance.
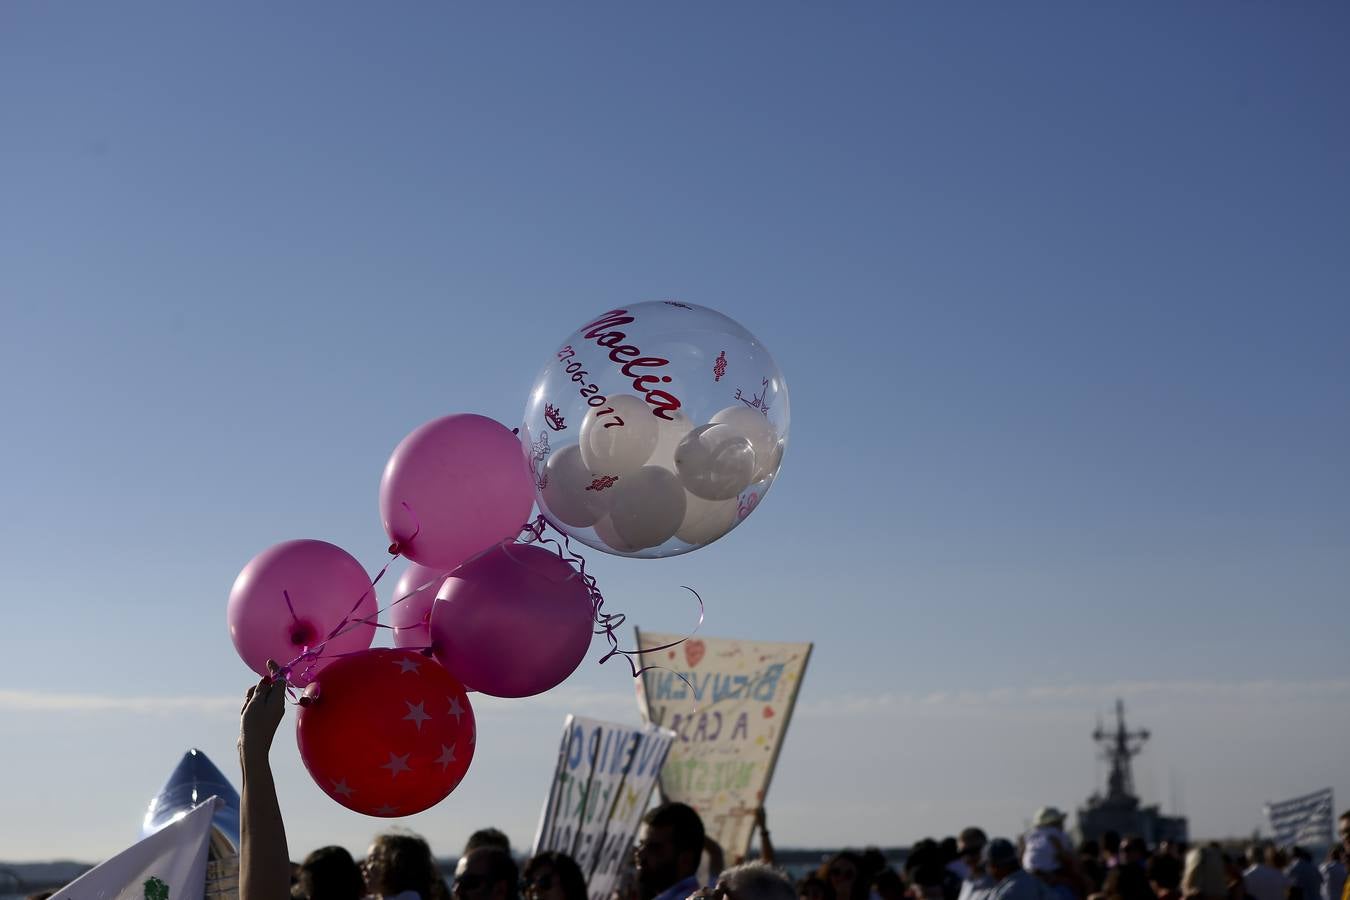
[168, 865]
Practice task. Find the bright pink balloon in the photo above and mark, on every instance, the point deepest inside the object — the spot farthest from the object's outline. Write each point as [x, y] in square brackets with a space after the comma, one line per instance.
[466, 485]
[325, 584]
[514, 622]
[411, 618]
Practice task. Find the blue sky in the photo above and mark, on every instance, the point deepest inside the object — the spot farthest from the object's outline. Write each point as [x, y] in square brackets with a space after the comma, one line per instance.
[1061, 293]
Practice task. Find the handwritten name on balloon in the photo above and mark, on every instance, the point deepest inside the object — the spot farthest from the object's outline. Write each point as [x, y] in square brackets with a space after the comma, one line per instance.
[604, 331]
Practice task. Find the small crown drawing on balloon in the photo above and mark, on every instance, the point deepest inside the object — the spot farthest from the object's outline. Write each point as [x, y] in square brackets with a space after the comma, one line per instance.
[555, 419]
[604, 481]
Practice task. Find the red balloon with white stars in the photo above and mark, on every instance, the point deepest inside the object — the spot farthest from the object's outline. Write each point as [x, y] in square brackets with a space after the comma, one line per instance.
[389, 732]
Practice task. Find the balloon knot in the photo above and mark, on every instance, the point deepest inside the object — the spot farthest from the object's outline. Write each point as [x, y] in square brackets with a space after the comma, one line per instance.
[395, 549]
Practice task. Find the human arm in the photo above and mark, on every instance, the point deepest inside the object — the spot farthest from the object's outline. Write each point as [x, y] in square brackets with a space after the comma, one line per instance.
[766, 854]
[264, 862]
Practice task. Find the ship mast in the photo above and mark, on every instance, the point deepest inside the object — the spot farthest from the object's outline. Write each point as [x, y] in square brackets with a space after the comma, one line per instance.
[1118, 748]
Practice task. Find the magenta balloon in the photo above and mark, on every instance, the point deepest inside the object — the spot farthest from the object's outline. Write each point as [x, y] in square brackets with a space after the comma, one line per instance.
[326, 585]
[514, 622]
[466, 486]
[411, 618]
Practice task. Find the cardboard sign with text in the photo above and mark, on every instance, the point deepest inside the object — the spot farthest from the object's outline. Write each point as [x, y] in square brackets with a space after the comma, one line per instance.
[730, 726]
[600, 790]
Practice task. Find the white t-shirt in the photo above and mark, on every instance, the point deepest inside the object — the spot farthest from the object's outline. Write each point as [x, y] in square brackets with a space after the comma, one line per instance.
[1043, 849]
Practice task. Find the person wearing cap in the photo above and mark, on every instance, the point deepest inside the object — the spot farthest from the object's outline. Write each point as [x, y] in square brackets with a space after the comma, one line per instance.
[1046, 845]
[1011, 881]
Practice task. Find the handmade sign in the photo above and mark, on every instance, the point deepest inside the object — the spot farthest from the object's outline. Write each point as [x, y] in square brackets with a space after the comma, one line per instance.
[730, 724]
[599, 792]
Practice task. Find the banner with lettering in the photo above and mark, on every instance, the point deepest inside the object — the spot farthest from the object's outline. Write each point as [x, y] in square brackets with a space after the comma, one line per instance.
[730, 725]
[600, 790]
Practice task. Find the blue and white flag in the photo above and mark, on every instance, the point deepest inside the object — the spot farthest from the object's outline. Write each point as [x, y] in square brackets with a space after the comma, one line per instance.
[1304, 821]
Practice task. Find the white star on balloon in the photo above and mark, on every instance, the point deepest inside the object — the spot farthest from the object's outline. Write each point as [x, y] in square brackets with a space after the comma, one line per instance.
[447, 756]
[416, 714]
[397, 764]
[340, 787]
[455, 709]
[407, 665]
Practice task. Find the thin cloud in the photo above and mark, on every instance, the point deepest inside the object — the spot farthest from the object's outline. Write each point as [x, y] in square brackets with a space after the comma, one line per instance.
[1074, 695]
[50, 702]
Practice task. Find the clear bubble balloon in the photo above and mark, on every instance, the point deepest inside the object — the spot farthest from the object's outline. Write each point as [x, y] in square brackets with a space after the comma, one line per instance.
[655, 429]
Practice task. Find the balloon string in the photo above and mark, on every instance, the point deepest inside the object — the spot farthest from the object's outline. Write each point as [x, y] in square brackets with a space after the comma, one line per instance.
[287, 595]
[606, 622]
[310, 655]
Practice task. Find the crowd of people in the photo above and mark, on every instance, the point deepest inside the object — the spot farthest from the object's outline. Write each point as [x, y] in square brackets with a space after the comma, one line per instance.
[674, 860]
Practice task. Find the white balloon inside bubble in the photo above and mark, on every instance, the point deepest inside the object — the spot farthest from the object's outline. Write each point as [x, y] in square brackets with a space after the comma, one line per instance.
[715, 462]
[604, 529]
[755, 427]
[669, 435]
[619, 436]
[568, 491]
[647, 507]
[706, 520]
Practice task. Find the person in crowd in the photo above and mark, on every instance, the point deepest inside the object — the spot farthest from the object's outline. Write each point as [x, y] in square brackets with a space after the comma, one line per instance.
[872, 863]
[813, 887]
[1011, 881]
[1046, 846]
[1133, 851]
[670, 845]
[553, 876]
[1127, 882]
[843, 874]
[401, 867]
[1110, 849]
[1091, 867]
[1262, 880]
[888, 885]
[969, 844]
[329, 873]
[1333, 874]
[486, 873]
[1205, 876]
[750, 881]
[487, 837]
[1343, 829]
[1164, 876]
[1303, 874]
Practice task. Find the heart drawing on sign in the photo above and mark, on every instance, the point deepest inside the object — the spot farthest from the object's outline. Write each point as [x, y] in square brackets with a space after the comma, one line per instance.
[693, 652]
[768, 712]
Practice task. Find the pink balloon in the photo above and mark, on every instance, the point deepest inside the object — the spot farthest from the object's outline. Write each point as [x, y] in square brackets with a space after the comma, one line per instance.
[411, 618]
[325, 584]
[514, 622]
[466, 485]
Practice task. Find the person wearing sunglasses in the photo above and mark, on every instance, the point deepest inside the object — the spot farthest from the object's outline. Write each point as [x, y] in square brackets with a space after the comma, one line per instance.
[553, 876]
[487, 873]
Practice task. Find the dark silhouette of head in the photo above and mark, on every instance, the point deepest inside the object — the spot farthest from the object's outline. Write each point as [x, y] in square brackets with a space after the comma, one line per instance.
[486, 873]
[553, 876]
[329, 873]
[400, 862]
[669, 847]
[1164, 872]
[487, 837]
